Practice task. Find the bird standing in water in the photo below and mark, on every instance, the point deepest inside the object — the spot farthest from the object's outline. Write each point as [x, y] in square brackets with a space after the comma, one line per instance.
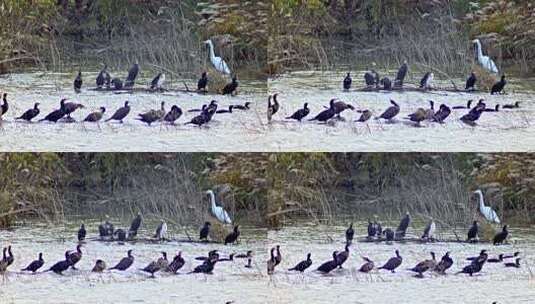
[233, 236]
[202, 83]
[205, 230]
[393, 263]
[219, 64]
[161, 231]
[347, 82]
[30, 114]
[303, 265]
[81, 233]
[78, 82]
[35, 265]
[272, 107]
[350, 234]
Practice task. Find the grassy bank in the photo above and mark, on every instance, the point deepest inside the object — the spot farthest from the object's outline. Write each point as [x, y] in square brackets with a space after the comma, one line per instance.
[267, 188]
[430, 35]
[161, 35]
[54, 186]
[330, 187]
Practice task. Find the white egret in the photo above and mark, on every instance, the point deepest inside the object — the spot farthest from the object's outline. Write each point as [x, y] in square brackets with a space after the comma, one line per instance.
[485, 61]
[218, 211]
[489, 214]
[218, 62]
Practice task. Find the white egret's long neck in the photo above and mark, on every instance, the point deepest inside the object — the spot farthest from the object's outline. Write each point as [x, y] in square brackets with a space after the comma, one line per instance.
[479, 50]
[212, 54]
[481, 201]
[212, 200]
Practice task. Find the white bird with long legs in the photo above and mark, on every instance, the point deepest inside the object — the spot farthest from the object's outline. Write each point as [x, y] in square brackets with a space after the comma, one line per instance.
[218, 211]
[218, 62]
[489, 213]
[485, 61]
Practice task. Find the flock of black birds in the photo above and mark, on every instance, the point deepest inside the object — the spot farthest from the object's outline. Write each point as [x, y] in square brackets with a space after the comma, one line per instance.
[373, 81]
[105, 82]
[336, 107]
[376, 232]
[107, 232]
[63, 113]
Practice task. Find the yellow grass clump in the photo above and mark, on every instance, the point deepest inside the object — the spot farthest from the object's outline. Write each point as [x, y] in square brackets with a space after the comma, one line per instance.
[485, 80]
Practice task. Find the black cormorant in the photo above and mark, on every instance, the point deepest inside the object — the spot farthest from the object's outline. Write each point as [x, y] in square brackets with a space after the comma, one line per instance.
[203, 81]
[327, 114]
[132, 75]
[56, 115]
[350, 233]
[403, 225]
[31, 113]
[329, 265]
[443, 112]
[61, 266]
[512, 106]
[402, 73]
[245, 106]
[233, 236]
[78, 82]
[473, 232]
[35, 265]
[173, 115]
[393, 263]
[516, 264]
[501, 236]
[125, 262]
[230, 88]
[471, 82]
[205, 230]
[301, 113]
[81, 233]
[303, 265]
[391, 112]
[347, 82]
[134, 226]
[445, 263]
[157, 82]
[498, 87]
[121, 113]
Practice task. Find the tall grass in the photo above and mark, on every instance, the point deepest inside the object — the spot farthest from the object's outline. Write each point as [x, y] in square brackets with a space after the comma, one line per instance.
[433, 41]
[90, 185]
[331, 187]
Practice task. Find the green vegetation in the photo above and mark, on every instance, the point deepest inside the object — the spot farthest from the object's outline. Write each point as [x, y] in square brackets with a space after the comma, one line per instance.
[54, 186]
[161, 34]
[266, 188]
[327, 34]
[327, 187]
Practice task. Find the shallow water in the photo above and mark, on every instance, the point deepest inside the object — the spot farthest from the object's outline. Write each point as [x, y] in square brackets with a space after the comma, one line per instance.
[347, 285]
[226, 132]
[231, 281]
[507, 130]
